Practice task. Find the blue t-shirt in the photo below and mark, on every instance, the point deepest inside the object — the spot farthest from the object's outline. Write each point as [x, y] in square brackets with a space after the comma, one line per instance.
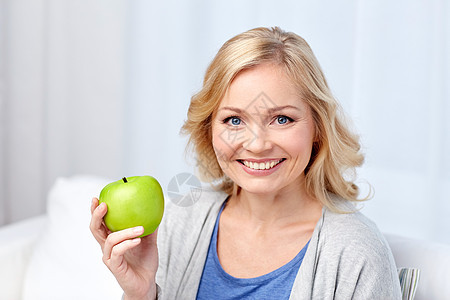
[218, 284]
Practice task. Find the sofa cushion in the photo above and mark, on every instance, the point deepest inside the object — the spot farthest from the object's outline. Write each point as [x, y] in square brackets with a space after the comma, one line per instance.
[67, 261]
[16, 243]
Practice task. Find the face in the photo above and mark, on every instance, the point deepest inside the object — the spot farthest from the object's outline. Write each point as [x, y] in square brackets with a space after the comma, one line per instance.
[263, 132]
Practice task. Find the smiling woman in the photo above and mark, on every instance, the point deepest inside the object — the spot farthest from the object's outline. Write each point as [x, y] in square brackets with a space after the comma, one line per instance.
[295, 75]
[281, 222]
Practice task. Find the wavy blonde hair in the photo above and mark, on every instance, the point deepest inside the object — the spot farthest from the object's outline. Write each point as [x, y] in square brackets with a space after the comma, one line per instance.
[336, 153]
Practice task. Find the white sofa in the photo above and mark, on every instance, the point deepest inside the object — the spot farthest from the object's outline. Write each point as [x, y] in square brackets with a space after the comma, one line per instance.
[54, 256]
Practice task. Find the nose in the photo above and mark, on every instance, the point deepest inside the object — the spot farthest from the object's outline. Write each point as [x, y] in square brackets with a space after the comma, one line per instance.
[257, 139]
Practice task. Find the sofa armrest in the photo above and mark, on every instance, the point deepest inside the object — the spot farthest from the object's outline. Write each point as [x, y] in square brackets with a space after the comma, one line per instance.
[16, 244]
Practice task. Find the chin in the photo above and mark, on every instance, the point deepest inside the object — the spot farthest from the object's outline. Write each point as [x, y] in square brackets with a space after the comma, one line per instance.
[258, 189]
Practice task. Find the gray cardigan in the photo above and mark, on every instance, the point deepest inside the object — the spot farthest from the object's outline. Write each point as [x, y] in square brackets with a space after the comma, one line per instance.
[347, 257]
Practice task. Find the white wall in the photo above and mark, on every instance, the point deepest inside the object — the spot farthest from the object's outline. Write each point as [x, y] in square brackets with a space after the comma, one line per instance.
[105, 86]
[401, 104]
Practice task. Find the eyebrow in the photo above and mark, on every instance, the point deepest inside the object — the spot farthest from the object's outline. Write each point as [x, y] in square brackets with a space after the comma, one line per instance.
[270, 110]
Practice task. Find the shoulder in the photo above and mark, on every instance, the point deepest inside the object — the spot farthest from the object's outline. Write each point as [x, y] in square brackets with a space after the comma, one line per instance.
[351, 229]
[178, 219]
[204, 202]
[347, 257]
[352, 248]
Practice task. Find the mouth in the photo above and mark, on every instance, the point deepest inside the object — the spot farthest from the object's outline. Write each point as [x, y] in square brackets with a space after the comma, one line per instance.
[261, 165]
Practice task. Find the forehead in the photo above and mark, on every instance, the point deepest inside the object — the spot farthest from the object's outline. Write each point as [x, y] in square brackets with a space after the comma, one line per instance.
[266, 85]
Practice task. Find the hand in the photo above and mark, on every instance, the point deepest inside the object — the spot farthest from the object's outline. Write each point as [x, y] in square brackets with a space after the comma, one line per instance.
[132, 260]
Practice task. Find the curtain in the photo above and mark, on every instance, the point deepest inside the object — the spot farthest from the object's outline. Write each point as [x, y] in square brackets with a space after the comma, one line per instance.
[102, 87]
[62, 66]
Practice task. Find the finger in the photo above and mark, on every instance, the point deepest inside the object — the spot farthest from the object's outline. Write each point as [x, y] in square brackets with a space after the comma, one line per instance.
[105, 228]
[118, 237]
[94, 204]
[97, 216]
[119, 250]
[96, 226]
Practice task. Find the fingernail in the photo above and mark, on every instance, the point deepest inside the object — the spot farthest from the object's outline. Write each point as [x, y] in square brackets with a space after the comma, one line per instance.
[136, 240]
[138, 229]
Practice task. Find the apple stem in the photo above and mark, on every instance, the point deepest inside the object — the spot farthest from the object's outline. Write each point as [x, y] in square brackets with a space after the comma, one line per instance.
[125, 179]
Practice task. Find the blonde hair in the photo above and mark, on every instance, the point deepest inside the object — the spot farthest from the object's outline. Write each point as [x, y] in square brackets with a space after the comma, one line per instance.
[337, 150]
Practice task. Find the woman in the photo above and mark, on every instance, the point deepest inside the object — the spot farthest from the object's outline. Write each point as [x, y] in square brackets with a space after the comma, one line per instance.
[280, 223]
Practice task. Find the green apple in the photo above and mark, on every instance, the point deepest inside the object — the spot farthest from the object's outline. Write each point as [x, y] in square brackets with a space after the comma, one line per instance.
[133, 201]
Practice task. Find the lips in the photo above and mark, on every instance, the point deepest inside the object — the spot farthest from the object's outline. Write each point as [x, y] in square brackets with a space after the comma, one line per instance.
[261, 164]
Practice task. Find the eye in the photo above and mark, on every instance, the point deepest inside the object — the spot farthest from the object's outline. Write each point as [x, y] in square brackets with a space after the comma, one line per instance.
[234, 121]
[283, 120]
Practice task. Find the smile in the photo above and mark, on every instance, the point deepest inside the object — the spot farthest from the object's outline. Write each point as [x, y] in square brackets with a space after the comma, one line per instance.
[265, 165]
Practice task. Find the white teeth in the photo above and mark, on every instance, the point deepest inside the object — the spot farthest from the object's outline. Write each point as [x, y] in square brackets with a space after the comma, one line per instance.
[261, 166]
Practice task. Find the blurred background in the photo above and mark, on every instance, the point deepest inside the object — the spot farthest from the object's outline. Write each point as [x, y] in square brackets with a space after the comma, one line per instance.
[102, 87]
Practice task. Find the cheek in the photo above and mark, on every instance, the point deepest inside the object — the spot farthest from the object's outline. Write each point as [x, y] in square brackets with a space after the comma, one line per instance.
[299, 144]
[221, 147]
